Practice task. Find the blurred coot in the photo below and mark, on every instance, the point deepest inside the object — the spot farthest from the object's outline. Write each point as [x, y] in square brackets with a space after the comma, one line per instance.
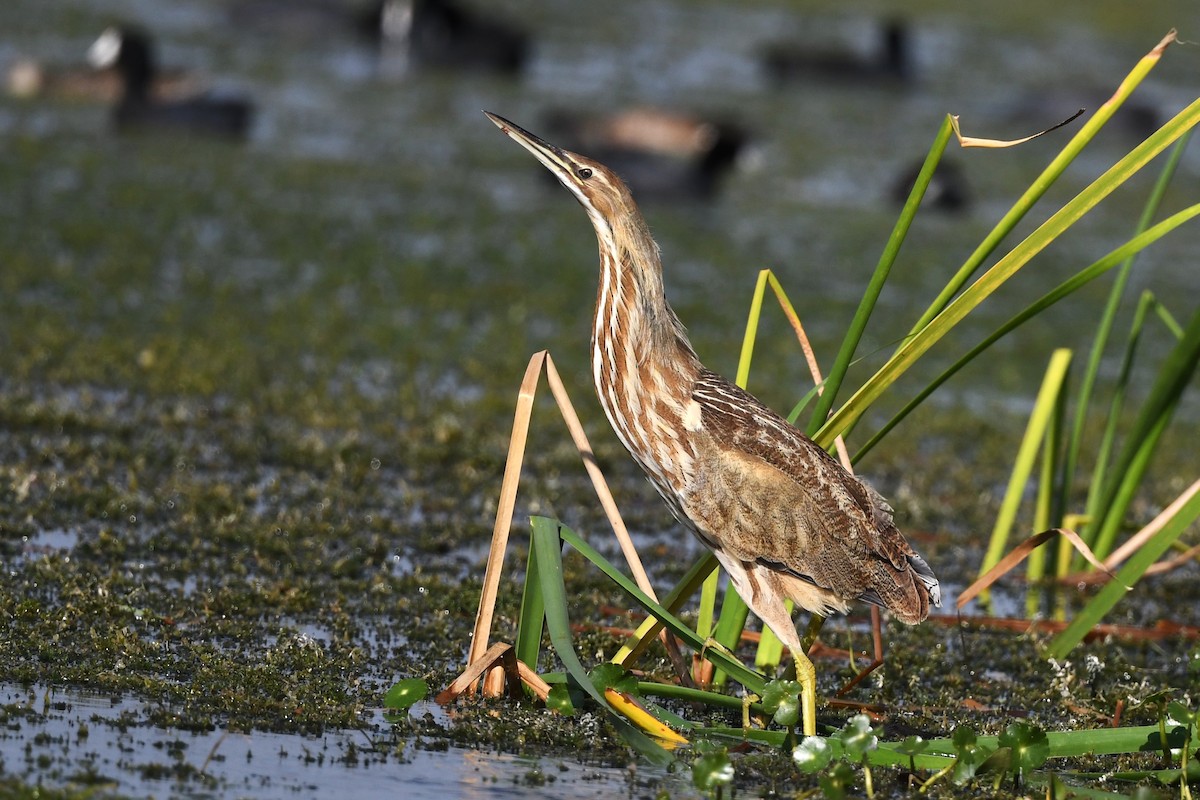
[889, 62]
[129, 51]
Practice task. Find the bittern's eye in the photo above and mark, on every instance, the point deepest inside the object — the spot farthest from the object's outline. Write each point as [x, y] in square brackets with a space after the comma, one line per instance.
[584, 173]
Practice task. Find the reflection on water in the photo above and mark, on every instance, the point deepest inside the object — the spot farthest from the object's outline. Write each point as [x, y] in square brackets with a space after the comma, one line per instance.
[72, 737]
[49, 541]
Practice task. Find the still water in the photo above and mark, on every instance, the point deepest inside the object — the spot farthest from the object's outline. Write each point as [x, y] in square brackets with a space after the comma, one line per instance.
[55, 736]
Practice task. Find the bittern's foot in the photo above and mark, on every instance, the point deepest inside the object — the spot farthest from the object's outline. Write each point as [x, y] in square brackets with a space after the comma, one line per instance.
[806, 676]
[748, 701]
[712, 644]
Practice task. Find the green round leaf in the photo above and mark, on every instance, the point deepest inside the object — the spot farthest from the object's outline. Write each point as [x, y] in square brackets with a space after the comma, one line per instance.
[777, 690]
[712, 770]
[613, 676]
[837, 782]
[782, 700]
[559, 700]
[1030, 747]
[969, 756]
[1181, 713]
[788, 712]
[858, 737]
[813, 754]
[964, 737]
[405, 692]
[912, 746]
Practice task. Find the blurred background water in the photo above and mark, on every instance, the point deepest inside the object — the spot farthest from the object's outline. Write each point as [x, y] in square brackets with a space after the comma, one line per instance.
[375, 254]
[399, 167]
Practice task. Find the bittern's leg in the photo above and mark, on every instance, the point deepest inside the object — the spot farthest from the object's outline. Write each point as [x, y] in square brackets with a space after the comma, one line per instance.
[806, 676]
[765, 591]
[778, 620]
[808, 684]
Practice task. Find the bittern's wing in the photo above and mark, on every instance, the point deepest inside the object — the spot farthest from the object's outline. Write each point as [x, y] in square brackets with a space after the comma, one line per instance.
[809, 517]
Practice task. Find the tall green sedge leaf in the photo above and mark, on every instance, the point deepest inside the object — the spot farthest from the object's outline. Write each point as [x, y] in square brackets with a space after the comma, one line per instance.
[648, 630]
[1008, 266]
[545, 539]
[1108, 315]
[736, 669]
[1173, 377]
[1043, 182]
[1104, 455]
[533, 614]
[1039, 420]
[1061, 291]
[1045, 515]
[833, 381]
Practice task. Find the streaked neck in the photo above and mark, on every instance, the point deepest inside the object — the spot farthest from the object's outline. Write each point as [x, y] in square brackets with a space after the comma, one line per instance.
[633, 320]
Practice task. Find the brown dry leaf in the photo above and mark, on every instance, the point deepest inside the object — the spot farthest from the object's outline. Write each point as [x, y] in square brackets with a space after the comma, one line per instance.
[541, 362]
[1123, 91]
[972, 141]
[1018, 554]
[1134, 542]
[505, 505]
[1158, 523]
[500, 656]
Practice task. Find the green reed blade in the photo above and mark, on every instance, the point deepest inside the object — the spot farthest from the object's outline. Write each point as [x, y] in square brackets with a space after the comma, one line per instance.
[1045, 515]
[545, 539]
[1104, 455]
[1173, 377]
[737, 670]
[1108, 315]
[1004, 269]
[862, 315]
[1039, 186]
[533, 614]
[1075, 282]
[1043, 411]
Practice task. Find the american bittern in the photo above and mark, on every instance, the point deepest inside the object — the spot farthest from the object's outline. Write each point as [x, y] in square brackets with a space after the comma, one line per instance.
[784, 519]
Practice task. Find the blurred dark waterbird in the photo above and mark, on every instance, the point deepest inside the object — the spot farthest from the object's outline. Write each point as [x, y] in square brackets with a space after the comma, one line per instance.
[129, 51]
[947, 191]
[784, 519]
[889, 62]
[657, 152]
[439, 34]
[442, 34]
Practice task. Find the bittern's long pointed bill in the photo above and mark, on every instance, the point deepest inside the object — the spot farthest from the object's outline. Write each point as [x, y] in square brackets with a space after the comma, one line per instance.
[569, 172]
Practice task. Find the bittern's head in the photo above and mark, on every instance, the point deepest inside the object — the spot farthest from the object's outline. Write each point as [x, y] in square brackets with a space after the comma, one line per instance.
[602, 194]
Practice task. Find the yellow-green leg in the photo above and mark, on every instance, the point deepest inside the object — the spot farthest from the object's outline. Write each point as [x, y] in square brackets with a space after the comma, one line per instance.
[748, 701]
[806, 676]
[776, 616]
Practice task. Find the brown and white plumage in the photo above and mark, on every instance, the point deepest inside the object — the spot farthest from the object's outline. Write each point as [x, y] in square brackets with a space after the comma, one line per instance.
[785, 520]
